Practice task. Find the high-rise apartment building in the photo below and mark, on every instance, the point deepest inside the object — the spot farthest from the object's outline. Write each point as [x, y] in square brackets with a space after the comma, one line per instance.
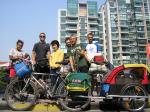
[79, 18]
[127, 24]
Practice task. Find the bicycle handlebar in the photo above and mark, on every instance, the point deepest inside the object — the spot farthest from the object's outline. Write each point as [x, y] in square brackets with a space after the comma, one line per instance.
[63, 62]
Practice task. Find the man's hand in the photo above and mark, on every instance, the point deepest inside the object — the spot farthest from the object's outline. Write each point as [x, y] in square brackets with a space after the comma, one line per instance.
[17, 57]
[33, 62]
[82, 53]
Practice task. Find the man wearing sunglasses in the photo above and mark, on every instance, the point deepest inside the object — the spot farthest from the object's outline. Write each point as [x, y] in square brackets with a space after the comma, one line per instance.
[40, 54]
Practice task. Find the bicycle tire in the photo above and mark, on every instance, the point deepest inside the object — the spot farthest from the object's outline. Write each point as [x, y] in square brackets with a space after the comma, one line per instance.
[82, 105]
[13, 92]
[134, 104]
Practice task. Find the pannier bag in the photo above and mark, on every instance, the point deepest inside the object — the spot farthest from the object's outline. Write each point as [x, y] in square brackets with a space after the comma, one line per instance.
[78, 82]
[22, 69]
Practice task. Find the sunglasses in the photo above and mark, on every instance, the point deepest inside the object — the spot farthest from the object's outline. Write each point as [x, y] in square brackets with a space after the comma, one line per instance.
[42, 36]
[20, 45]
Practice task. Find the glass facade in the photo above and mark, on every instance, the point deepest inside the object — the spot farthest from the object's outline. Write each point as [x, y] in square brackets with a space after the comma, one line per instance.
[92, 8]
[80, 19]
[72, 7]
[128, 30]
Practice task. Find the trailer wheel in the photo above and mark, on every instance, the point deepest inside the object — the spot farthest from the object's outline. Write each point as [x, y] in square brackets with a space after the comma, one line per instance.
[133, 104]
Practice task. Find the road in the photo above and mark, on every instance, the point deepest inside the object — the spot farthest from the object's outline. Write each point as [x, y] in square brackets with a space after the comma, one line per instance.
[95, 107]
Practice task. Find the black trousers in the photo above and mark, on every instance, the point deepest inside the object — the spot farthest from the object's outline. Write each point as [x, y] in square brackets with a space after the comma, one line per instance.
[42, 69]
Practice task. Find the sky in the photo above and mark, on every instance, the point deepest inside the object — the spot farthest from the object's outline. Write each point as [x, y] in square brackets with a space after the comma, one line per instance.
[25, 19]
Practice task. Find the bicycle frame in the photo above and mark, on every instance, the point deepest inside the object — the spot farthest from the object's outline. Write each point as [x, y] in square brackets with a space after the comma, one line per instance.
[45, 86]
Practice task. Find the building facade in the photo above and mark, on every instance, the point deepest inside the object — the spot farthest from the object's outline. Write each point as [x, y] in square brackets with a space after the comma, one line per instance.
[79, 18]
[127, 30]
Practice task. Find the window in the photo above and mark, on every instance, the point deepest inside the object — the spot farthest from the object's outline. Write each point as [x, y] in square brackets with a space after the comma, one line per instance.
[63, 33]
[63, 19]
[63, 13]
[115, 49]
[92, 8]
[113, 29]
[101, 28]
[123, 16]
[63, 26]
[112, 4]
[141, 28]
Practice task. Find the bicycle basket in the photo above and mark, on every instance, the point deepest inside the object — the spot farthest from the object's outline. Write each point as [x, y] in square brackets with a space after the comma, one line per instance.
[78, 82]
[22, 69]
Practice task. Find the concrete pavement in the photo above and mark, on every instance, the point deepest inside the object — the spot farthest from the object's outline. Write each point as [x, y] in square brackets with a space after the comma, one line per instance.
[95, 107]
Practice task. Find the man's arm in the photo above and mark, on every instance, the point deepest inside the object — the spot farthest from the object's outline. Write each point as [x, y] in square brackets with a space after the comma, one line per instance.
[48, 52]
[33, 57]
[12, 55]
[72, 63]
[34, 54]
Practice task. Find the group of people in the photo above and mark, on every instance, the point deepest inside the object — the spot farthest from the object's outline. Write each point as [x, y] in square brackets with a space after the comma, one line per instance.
[79, 56]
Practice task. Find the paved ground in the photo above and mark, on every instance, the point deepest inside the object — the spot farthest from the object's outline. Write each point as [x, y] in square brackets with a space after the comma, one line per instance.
[95, 107]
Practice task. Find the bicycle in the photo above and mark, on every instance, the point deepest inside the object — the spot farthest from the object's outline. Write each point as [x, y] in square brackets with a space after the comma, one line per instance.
[22, 93]
[77, 84]
[79, 99]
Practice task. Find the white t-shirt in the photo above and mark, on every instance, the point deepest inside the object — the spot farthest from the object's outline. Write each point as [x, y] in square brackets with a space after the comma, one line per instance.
[91, 50]
[14, 52]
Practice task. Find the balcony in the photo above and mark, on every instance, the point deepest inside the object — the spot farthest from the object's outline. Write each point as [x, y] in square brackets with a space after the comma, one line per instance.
[93, 29]
[71, 28]
[92, 22]
[93, 17]
[124, 38]
[124, 31]
[72, 16]
[126, 57]
[115, 38]
[71, 21]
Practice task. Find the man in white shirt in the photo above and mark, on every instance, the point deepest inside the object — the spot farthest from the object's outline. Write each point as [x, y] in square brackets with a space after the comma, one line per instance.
[92, 48]
[17, 53]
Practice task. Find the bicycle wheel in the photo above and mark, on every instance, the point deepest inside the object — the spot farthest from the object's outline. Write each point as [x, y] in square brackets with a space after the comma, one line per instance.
[133, 104]
[16, 98]
[71, 100]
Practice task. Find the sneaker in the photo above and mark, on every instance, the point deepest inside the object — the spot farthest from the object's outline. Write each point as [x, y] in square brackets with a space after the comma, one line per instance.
[3, 99]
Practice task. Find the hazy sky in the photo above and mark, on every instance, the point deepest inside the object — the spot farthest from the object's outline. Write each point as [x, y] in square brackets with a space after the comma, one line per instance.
[25, 19]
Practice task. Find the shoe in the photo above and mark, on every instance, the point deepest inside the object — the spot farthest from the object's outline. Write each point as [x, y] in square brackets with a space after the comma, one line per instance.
[92, 100]
[3, 99]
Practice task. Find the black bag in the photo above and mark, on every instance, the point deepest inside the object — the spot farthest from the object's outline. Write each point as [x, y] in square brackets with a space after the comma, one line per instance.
[43, 63]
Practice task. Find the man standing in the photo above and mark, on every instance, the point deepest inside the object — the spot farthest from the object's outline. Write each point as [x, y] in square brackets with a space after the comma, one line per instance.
[40, 54]
[77, 56]
[15, 55]
[91, 48]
